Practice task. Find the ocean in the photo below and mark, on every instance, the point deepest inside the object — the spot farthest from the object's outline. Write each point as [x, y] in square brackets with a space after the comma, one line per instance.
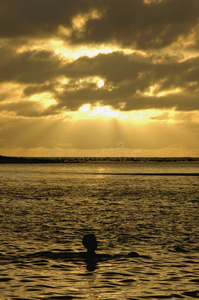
[150, 208]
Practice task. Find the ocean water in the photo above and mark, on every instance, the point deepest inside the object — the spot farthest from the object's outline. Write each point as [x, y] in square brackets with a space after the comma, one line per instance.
[45, 210]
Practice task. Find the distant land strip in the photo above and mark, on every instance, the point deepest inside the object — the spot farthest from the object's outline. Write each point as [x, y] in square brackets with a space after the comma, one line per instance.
[146, 174]
[45, 160]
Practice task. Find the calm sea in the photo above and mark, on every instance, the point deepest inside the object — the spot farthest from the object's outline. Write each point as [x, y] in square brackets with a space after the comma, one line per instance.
[45, 211]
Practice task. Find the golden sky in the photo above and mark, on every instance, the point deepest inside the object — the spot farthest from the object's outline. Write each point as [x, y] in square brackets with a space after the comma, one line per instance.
[99, 77]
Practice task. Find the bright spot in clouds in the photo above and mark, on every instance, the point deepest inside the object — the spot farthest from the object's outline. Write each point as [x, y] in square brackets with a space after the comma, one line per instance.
[100, 83]
[45, 99]
[85, 74]
[89, 112]
[86, 111]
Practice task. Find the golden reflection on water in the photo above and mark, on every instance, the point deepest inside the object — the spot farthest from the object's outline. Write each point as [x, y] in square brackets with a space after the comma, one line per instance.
[50, 209]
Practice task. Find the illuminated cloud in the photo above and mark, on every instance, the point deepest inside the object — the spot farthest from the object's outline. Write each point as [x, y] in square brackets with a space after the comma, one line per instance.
[138, 81]
[80, 66]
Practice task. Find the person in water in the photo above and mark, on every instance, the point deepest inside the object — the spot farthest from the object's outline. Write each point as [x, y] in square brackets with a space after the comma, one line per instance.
[90, 243]
[90, 257]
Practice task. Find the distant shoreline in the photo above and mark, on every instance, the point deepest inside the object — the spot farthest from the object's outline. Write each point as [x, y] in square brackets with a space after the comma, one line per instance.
[47, 160]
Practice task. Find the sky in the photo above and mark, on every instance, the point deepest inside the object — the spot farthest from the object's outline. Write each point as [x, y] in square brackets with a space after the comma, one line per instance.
[99, 78]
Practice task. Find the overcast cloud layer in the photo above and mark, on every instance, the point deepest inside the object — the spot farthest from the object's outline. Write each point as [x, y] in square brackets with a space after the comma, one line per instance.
[152, 61]
[142, 24]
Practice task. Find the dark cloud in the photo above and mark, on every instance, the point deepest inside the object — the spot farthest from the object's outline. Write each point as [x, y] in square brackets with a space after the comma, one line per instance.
[38, 88]
[130, 77]
[74, 99]
[129, 23]
[127, 78]
[28, 67]
[114, 67]
[141, 25]
[31, 109]
[181, 103]
[35, 18]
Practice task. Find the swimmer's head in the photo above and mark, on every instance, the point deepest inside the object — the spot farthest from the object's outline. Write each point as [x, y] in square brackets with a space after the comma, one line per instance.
[90, 242]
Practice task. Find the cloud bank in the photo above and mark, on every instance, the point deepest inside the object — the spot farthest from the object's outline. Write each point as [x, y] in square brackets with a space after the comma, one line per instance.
[58, 56]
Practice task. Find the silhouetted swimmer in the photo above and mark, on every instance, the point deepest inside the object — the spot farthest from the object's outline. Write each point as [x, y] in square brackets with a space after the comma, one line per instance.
[91, 258]
[90, 243]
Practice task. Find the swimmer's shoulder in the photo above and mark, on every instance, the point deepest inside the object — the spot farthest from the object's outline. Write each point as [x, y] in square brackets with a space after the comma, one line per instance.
[135, 254]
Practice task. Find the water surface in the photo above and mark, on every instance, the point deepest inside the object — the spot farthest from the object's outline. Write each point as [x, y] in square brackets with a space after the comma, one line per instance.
[50, 208]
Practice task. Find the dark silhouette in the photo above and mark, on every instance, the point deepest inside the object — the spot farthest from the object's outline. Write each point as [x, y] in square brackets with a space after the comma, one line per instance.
[90, 243]
[90, 257]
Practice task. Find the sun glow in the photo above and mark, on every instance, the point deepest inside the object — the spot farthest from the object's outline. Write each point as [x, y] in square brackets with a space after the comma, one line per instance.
[85, 108]
[71, 53]
[76, 52]
[105, 111]
[87, 111]
[154, 90]
[44, 98]
[100, 83]
[92, 112]
[168, 92]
